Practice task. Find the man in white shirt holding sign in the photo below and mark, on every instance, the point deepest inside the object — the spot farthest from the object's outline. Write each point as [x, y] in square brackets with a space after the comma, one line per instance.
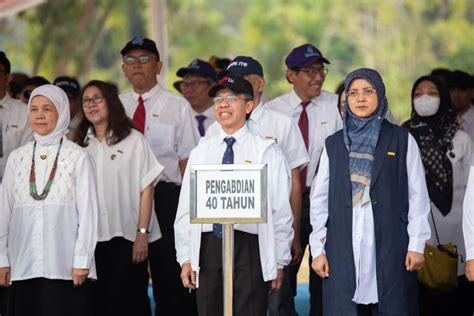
[260, 250]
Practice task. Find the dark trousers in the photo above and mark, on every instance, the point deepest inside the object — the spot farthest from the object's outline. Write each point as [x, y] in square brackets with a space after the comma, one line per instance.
[367, 310]
[315, 282]
[45, 297]
[282, 302]
[122, 286]
[171, 297]
[250, 292]
[458, 302]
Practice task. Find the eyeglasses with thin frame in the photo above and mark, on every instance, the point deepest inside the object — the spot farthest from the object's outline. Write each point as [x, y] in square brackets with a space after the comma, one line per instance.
[314, 71]
[96, 99]
[366, 93]
[192, 84]
[230, 99]
[142, 59]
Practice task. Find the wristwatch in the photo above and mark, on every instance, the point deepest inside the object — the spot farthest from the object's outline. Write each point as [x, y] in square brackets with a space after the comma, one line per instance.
[143, 231]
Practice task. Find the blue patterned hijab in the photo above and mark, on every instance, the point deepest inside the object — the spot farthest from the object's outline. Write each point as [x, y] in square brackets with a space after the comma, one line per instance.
[361, 134]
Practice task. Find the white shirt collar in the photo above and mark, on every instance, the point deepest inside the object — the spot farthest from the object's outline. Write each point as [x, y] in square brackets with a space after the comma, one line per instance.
[258, 113]
[155, 90]
[239, 135]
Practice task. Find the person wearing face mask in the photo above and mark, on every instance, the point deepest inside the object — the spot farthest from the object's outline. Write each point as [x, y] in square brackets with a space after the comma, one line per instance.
[446, 155]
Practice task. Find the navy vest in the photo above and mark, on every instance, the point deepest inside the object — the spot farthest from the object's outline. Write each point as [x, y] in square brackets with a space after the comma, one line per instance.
[397, 288]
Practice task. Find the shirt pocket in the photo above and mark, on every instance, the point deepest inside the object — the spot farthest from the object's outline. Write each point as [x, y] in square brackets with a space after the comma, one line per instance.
[162, 136]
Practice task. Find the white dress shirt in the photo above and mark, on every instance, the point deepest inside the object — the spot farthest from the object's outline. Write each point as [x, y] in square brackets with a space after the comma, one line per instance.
[468, 217]
[363, 236]
[47, 239]
[210, 117]
[170, 127]
[467, 122]
[276, 235]
[16, 130]
[450, 226]
[323, 118]
[271, 124]
[124, 170]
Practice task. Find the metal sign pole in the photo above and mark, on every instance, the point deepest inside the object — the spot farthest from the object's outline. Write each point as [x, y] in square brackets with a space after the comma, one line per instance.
[228, 266]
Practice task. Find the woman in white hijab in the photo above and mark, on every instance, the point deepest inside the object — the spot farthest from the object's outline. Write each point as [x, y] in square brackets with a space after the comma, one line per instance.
[48, 216]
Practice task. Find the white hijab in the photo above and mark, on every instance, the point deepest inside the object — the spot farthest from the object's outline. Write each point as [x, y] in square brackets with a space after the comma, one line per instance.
[59, 98]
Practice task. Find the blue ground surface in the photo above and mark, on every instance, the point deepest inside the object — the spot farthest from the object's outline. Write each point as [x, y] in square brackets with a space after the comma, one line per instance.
[301, 301]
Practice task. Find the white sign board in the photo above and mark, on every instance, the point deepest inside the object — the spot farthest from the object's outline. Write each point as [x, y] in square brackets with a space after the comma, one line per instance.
[228, 193]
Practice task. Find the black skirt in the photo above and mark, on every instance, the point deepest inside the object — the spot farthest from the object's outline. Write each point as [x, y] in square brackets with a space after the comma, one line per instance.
[45, 297]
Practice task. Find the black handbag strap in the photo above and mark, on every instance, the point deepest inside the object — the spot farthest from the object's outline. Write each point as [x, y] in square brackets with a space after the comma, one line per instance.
[434, 225]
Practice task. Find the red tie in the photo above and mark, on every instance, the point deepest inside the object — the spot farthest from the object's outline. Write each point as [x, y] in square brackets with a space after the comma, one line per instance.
[304, 128]
[139, 116]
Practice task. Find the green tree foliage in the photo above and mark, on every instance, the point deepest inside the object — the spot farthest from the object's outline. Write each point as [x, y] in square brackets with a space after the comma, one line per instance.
[403, 39]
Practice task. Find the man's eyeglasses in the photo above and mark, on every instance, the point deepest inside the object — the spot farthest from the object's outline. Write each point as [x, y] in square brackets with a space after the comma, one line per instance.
[192, 84]
[96, 99]
[314, 71]
[366, 93]
[142, 59]
[230, 99]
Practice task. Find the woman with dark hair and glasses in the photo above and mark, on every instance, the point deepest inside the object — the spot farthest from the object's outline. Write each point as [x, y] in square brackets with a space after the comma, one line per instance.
[369, 209]
[127, 172]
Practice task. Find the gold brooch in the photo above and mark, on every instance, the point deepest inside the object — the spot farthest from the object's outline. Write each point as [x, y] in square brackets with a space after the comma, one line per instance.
[43, 156]
[113, 156]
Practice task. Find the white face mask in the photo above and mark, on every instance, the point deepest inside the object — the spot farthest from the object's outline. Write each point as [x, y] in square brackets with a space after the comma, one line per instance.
[426, 105]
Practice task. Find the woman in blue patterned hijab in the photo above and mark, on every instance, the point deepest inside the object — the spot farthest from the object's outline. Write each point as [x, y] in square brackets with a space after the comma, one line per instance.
[362, 123]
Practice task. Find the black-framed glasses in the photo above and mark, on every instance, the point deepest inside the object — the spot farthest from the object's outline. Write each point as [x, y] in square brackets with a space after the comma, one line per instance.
[192, 84]
[366, 93]
[142, 59]
[314, 71]
[93, 100]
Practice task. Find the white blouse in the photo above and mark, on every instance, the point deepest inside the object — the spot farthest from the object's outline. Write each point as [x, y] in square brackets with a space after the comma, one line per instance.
[51, 237]
[124, 170]
[363, 235]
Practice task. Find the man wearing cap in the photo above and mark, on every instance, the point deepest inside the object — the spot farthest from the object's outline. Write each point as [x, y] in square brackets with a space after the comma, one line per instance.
[270, 124]
[15, 129]
[198, 78]
[73, 91]
[261, 251]
[166, 121]
[315, 111]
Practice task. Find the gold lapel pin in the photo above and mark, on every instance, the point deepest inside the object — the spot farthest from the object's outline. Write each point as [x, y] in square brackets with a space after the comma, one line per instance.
[154, 115]
[113, 156]
[119, 151]
[391, 153]
[248, 161]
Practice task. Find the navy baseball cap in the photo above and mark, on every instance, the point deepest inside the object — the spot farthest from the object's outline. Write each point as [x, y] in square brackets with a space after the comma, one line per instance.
[5, 62]
[199, 68]
[303, 56]
[233, 82]
[244, 65]
[140, 43]
[68, 84]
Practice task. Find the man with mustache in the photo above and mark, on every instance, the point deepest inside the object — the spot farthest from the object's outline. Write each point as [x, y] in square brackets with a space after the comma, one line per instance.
[166, 121]
[315, 111]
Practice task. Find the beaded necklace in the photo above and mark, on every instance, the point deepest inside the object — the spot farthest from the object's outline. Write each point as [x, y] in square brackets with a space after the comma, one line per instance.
[47, 187]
